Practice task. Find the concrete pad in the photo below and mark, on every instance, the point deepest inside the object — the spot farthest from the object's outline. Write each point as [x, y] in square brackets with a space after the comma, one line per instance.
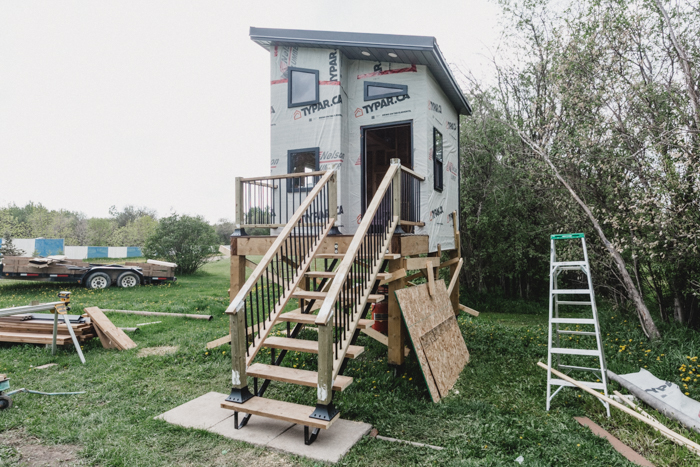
[258, 431]
[206, 413]
[330, 446]
[203, 412]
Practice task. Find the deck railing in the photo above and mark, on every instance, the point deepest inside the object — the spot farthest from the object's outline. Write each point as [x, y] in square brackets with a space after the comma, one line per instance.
[267, 291]
[269, 202]
[410, 199]
[348, 294]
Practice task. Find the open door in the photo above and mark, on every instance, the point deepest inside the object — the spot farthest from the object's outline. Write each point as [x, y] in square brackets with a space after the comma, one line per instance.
[380, 144]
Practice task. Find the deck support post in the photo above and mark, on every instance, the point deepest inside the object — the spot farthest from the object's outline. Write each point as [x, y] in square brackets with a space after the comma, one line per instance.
[396, 196]
[397, 328]
[333, 202]
[456, 253]
[325, 410]
[239, 377]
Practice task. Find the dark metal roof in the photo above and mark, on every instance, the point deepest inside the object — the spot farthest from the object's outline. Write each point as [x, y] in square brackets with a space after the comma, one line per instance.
[416, 50]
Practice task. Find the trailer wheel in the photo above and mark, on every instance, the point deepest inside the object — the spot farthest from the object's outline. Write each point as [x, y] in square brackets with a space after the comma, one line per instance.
[5, 402]
[98, 280]
[128, 279]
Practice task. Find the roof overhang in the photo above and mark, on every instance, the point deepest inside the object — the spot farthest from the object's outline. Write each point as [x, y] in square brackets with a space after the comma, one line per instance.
[416, 50]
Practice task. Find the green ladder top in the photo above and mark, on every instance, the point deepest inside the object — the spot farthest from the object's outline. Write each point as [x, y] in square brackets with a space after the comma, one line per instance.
[567, 236]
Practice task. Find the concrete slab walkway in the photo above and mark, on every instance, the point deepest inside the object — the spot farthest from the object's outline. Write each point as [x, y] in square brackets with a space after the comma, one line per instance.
[205, 413]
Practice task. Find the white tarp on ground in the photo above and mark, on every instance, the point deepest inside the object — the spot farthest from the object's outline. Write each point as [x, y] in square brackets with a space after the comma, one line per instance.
[667, 392]
[335, 127]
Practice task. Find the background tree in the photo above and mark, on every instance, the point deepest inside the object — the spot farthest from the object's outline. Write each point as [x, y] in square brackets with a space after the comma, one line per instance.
[185, 240]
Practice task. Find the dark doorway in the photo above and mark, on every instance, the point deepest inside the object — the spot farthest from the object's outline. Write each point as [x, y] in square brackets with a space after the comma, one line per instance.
[380, 144]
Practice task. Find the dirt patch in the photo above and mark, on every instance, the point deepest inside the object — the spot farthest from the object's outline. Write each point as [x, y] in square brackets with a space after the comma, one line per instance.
[157, 351]
[255, 457]
[21, 449]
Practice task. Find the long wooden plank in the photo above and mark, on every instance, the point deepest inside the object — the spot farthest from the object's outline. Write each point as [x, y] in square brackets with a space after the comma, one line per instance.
[299, 345]
[294, 376]
[455, 277]
[115, 334]
[309, 295]
[308, 318]
[280, 410]
[392, 276]
[468, 310]
[618, 445]
[376, 335]
[431, 279]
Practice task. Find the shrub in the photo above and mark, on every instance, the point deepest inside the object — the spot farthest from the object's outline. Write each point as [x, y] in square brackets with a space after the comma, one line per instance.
[185, 240]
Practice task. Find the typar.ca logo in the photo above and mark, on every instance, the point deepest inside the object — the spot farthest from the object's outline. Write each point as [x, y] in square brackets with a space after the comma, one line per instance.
[297, 115]
[435, 213]
[434, 107]
[359, 112]
[451, 125]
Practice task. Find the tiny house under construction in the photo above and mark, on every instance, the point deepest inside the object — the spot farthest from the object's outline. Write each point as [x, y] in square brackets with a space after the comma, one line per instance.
[364, 179]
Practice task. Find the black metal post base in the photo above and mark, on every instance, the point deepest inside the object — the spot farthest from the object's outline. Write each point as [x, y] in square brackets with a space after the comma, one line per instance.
[398, 230]
[314, 434]
[239, 233]
[324, 412]
[239, 395]
[243, 423]
[334, 231]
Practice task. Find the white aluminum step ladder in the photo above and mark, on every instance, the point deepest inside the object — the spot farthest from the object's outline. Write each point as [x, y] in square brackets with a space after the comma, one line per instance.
[554, 342]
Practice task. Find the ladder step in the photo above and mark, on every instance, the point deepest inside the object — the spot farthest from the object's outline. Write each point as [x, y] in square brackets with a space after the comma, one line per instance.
[561, 382]
[578, 333]
[299, 345]
[565, 302]
[280, 410]
[571, 291]
[572, 321]
[580, 368]
[568, 263]
[308, 318]
[563, 351]
[294, 376]
[309, 295]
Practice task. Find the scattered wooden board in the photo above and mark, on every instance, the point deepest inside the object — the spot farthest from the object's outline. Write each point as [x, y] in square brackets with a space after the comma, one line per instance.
[423, 313]
[103, 324]
[468, 310]
[619, 446]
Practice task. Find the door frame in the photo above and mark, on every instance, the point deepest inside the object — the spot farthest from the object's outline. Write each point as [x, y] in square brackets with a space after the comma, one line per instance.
[363, 199]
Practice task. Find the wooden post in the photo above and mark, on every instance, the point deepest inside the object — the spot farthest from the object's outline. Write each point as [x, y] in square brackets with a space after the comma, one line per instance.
[238, 263]
[325, 364]
[397, 333]
[456, 253]
[396, 193]
[239, 377]
[239, 204]
[333, 196]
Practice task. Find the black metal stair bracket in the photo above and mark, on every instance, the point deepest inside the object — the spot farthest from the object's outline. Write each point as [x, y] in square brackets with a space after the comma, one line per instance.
[239, 395]
[325, 412]
[314, 434]
[244, 422]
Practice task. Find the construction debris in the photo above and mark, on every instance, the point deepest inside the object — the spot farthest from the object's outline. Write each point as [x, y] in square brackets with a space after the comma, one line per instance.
[110, 335]
[158, 313]
[37, 328]
[629, 453]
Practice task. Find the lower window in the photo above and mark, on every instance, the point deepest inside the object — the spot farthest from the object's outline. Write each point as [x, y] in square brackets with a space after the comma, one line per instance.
[437, 160]
[301, 161]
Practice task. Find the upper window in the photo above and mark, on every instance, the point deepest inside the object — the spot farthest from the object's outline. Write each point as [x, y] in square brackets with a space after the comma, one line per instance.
[303, 87]
[437, 160]
[375, 90]
[301, 161]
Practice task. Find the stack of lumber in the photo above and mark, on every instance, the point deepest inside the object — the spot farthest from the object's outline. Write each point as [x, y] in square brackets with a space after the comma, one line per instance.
[49, 265]
[38, 329]
[153, 268]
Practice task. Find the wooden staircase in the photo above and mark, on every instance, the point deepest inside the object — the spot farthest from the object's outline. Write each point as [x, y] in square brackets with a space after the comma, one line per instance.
[339, 287]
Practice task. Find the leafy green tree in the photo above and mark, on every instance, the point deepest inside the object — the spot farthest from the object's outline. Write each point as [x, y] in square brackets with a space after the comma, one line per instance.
[185, 240]
[8, 248]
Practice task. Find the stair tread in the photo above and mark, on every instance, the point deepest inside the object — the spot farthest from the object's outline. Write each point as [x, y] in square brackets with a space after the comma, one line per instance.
[295, 376]
[564, 351]
[312, 295]
[331, 274]
[280, 410]
[299, 345]
[342, 255]
[308, 318]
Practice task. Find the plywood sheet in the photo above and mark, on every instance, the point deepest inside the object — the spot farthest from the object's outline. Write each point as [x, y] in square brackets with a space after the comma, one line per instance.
[423, 313]
[446, 353]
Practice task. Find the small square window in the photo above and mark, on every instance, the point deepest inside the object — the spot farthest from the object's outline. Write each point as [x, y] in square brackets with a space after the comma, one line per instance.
[437, 160]
[301, 161]
[374, 90]
[302, 87]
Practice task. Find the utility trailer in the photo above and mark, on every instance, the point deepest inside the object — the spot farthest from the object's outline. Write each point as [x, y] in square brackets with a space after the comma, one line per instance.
[90, 275]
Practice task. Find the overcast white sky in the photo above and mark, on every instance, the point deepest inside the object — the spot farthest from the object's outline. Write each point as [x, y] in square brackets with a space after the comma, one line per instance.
[163, 103]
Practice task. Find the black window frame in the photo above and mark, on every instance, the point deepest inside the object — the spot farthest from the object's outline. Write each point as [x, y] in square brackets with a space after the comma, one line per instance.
[290, 181]
[402, 90]
[438, 170]
[289, 87]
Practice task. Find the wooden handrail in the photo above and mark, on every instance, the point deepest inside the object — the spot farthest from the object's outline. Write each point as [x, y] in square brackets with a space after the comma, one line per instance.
[325, 314]
[239, 300]
[411, 172]
[283, 176]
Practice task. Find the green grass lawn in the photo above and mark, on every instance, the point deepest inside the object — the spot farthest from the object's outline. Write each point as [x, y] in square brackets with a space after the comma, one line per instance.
[494, 414]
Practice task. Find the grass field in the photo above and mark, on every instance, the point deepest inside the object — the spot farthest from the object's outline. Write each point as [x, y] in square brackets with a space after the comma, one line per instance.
[495, 413]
